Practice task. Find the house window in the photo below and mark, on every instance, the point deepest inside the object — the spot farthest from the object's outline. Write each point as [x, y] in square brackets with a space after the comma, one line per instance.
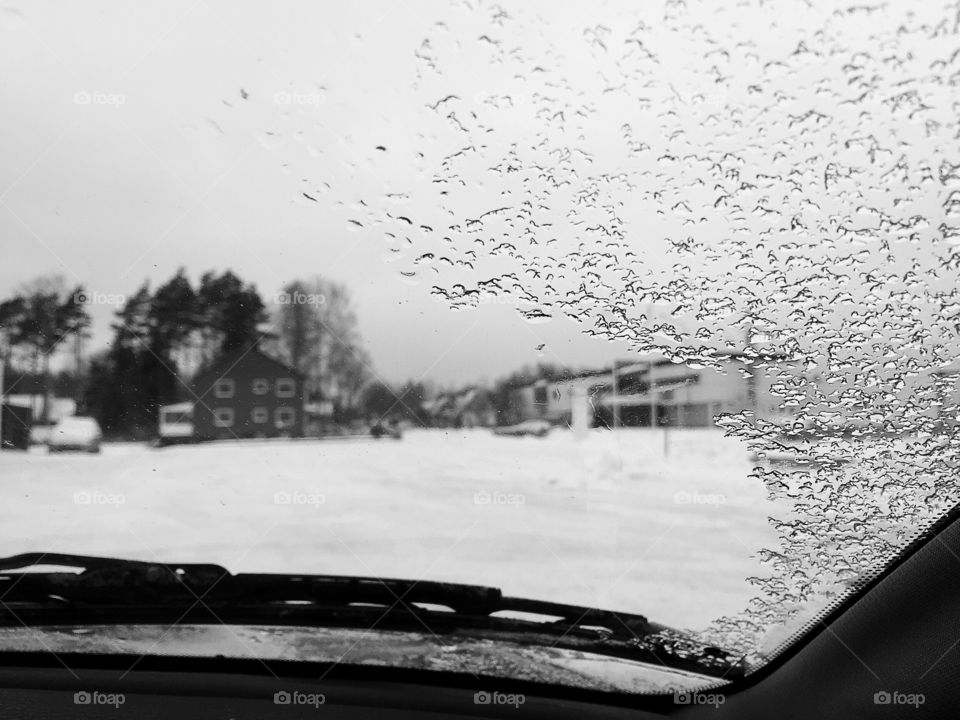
[223, 388]
[285, 416]
[223, 417]
[260, 386]
[259, 415]
[177, 417]
[285, 387]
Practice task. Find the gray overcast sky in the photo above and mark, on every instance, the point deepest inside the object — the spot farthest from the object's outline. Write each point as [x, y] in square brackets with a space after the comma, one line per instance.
[128, 151]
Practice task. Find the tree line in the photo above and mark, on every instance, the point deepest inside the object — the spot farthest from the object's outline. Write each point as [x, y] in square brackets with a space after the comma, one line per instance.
[161, 337]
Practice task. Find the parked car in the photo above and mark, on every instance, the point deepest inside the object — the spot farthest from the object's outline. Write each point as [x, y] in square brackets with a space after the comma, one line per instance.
[75, 433]
[535, 428]
[389, 430]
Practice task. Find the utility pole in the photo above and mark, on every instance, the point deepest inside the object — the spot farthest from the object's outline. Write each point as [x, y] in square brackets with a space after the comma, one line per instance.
[666, 441]
[3, 363]
[666, 430]
[616, 392]
[3, 367]
[580, 413]
[651, 391]
[78, 370]
[655, 407]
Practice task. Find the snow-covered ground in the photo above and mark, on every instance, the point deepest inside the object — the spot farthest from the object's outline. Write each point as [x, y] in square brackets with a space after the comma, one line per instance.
[613, 520]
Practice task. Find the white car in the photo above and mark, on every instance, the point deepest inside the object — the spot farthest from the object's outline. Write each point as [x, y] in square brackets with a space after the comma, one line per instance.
[531, 428]
[75, 433]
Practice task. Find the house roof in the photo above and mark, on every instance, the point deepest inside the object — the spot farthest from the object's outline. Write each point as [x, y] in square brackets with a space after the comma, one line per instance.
[227, 361]
[185, 406]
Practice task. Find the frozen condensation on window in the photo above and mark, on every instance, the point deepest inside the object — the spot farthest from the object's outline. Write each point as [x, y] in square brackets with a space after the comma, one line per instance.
[697, 178]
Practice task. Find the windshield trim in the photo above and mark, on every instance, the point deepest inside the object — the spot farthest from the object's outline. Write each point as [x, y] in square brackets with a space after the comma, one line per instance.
[819, 623]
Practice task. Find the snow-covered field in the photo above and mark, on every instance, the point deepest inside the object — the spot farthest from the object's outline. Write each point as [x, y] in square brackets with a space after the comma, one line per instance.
[610, 520]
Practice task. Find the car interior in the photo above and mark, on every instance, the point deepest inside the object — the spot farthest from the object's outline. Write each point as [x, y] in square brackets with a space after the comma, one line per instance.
[889, 650]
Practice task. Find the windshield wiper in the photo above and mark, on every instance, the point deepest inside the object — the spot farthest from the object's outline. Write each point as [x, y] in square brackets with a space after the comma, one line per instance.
[107, 591]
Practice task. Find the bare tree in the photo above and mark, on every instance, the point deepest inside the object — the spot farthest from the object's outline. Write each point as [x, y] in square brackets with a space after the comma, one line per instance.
[44, 313]
[317, 333]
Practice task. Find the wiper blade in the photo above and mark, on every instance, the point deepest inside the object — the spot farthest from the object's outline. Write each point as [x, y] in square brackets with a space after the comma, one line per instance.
[111, 591]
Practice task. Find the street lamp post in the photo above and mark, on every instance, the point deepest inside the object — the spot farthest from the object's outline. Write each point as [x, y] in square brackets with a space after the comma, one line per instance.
[3, 367]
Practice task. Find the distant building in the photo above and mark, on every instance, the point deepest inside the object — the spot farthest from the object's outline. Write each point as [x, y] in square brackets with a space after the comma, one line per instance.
[248, 394]
[663, 393]
[654, 392]
[471, 407]
[946, 382]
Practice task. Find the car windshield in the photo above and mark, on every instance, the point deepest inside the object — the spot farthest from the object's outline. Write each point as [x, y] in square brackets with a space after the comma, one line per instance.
[648, 310]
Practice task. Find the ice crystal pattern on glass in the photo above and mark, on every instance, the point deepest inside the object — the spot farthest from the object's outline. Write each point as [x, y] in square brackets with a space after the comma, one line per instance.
[703, 178]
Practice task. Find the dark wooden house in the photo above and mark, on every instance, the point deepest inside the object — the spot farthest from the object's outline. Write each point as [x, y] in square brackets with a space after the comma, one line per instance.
[248, 394]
